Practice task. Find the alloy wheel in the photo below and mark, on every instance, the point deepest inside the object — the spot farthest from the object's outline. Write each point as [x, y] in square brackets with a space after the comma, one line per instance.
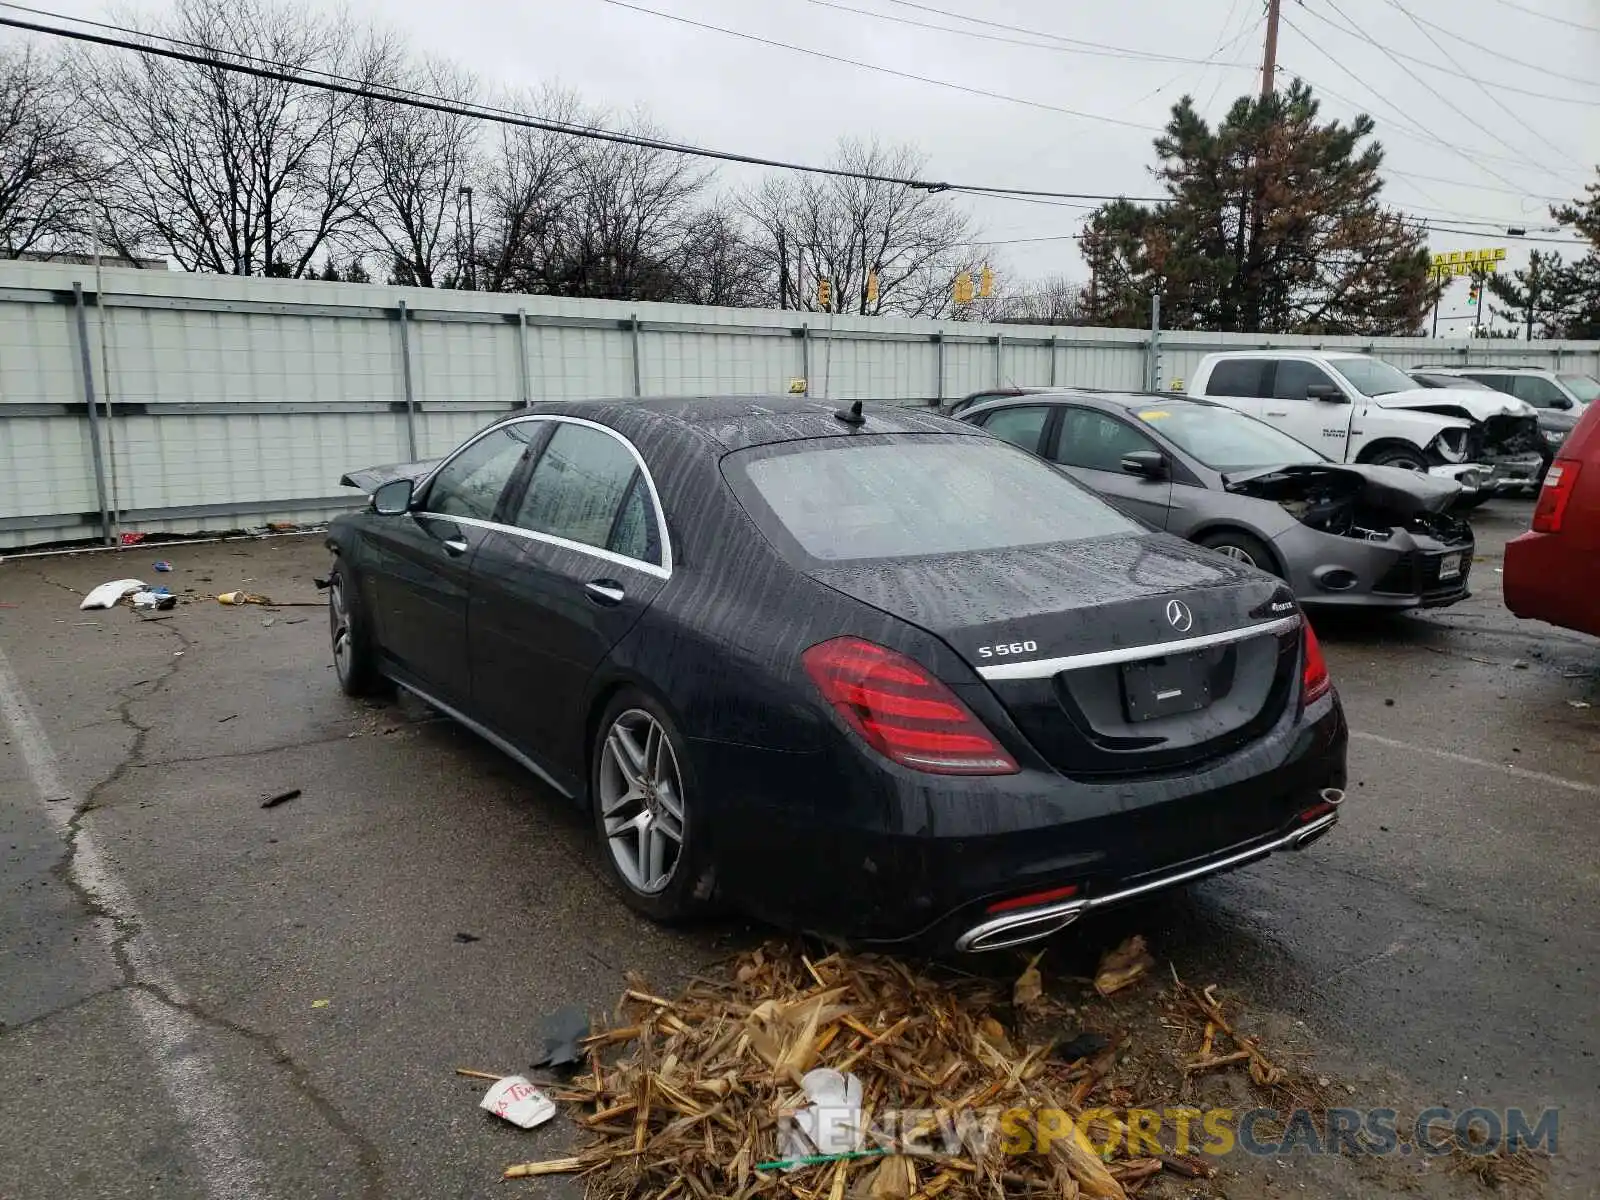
[641, 801]
[339, 629]
[1237, 553]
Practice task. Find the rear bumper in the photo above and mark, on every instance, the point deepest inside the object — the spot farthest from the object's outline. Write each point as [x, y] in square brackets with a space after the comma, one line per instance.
[878, 855]
[1549, 579]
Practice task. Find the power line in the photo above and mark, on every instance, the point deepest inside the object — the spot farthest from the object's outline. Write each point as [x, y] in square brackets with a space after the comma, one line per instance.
[866, 66]
[1442, 98]
[1422, 27]
[1547, 17]
[1088, 48]
[1227, 23]
[1543, 70]
[244, 64]
[1128, 51]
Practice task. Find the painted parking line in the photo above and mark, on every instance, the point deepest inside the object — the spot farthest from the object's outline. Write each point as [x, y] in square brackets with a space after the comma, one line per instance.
[1572, 785]
[171, 1037]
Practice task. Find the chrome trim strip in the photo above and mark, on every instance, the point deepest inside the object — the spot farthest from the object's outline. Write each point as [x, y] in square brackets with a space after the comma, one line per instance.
[1043, 668]
[664, 570]
[494, 739]
[1071, 910]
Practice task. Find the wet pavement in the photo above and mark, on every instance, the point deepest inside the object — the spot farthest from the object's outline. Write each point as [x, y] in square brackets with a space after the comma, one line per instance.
[200, 997]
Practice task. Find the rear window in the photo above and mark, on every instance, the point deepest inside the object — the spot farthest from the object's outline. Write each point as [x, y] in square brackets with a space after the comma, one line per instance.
[840, 500]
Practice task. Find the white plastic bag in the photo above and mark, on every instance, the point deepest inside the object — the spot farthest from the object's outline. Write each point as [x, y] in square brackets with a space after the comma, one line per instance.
[831, 1123]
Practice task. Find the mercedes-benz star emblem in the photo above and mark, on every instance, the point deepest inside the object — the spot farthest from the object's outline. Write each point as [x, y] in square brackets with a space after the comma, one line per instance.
[1179, 616]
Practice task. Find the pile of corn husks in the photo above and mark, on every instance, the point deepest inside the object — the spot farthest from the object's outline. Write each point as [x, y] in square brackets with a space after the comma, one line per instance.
[691, 1107]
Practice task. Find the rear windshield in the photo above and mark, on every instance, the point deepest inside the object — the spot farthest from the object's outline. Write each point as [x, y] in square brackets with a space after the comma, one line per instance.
[840, 500]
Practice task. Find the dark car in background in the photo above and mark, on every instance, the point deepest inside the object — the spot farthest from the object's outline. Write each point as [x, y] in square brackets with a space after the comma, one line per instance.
[1341, 534]
[1552, 572]
[867, 673]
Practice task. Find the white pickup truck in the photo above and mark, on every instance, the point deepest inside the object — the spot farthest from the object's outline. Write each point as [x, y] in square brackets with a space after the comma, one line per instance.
[1356, 408]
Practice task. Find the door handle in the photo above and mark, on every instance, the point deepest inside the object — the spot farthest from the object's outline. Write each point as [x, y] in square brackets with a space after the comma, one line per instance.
[455, 547]
[605, 591]
[1275, 413]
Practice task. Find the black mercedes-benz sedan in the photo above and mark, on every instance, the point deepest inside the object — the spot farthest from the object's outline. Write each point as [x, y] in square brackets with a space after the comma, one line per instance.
[872, 674]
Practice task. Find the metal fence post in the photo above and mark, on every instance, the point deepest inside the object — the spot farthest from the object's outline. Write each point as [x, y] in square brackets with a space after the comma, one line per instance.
[999, 360]
[638, 378]
[939, 339]
[405, 370]
[94, 417]
[522, 357]
[1153, 367]
[1055, 352]
[805, 354]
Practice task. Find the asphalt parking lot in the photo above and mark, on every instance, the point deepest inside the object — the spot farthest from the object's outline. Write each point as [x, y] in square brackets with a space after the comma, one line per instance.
[200, 997]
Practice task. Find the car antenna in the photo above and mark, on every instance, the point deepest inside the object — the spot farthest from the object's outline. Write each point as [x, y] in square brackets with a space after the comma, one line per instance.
[851, 415]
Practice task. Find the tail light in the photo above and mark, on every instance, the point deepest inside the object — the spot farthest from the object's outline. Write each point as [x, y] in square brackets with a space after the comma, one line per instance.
[1555, 495]
[1314, 682]
[902, 711]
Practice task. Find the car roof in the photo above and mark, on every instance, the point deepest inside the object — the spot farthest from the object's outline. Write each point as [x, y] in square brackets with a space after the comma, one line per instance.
[1106, 397]
[738, 422]
[1281, 351]
[1460, 370]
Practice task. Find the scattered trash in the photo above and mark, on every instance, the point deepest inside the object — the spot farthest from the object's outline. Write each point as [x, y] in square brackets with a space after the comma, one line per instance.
[1086, 1045]
[241, 598]
[830, 1124]
[107, 595]
[161, 600]
[1388, 703]
[471, 1074]
[163, 565]
[323, 582]
[130, 539]
[1120, 967]
[281, 798]
[562, 1031]
[1519, 665]
[295, 621]
[1578, 704]
[468, 938]
[226, 719]
[1029, 986]
[321, 1003]
[516, 1100]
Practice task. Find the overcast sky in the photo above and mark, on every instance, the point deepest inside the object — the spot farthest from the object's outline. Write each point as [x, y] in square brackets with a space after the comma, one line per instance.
[1457, 152]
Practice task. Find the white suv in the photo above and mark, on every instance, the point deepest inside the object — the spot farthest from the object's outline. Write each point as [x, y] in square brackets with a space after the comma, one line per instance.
[1356, 408]
[1565, 391]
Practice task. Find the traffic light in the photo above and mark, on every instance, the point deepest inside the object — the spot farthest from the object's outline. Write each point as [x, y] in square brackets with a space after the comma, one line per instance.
[1474, 291]
[964, 288]
[824, 294]
[985, 283]
[872, 287]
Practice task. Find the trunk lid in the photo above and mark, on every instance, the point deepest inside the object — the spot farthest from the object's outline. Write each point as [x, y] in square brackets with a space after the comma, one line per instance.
[1069, 638]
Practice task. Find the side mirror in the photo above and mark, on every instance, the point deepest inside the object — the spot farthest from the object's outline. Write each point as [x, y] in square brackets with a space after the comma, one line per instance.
[1146, 464]
[1564, 403]
[1325, 392]
[393, 498]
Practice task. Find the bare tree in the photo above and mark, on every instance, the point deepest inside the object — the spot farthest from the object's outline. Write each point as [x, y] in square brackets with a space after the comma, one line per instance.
[417, 164]
[46, 172]
[231, 172]
[1052, 300]
[718, 264]
[840, 229]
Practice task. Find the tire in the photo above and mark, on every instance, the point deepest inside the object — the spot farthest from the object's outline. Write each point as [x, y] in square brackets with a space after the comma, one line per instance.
[1400, 456]
[355, 658]
[1241, 547]
[648, 813]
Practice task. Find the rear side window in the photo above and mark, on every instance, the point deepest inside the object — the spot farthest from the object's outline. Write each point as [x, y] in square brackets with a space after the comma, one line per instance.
[469, 485]
[839, 500]
[1539, 392]
[586, 488]
[1500, 383]
[1019, 426]
[1237, 377]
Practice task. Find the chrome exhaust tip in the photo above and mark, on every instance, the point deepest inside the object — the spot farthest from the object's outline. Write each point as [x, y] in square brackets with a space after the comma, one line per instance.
[1333, 796]
[1002, 933]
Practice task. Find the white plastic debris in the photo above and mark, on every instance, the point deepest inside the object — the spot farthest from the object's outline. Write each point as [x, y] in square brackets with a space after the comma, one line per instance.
[107, 594]
[831, 1123]
[146, 599]
[518, 1101]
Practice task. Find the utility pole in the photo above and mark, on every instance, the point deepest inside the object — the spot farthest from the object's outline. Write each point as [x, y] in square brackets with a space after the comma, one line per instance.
[1269, 59]
[472, 240]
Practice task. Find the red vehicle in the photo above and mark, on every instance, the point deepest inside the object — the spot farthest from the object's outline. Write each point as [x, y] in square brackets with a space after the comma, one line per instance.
[1553, 570]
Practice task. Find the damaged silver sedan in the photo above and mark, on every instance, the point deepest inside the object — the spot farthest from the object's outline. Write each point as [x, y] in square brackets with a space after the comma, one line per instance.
[1349, 535]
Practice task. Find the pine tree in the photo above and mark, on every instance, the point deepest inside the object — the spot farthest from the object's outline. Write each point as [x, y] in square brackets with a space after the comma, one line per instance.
[1273, 225]
[1531, 296]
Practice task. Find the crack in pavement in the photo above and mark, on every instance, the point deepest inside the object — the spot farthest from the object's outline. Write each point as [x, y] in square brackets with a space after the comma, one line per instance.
[131, 954]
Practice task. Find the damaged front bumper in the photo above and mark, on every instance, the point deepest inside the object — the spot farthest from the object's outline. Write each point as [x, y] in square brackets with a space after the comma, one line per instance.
[1513, 472]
